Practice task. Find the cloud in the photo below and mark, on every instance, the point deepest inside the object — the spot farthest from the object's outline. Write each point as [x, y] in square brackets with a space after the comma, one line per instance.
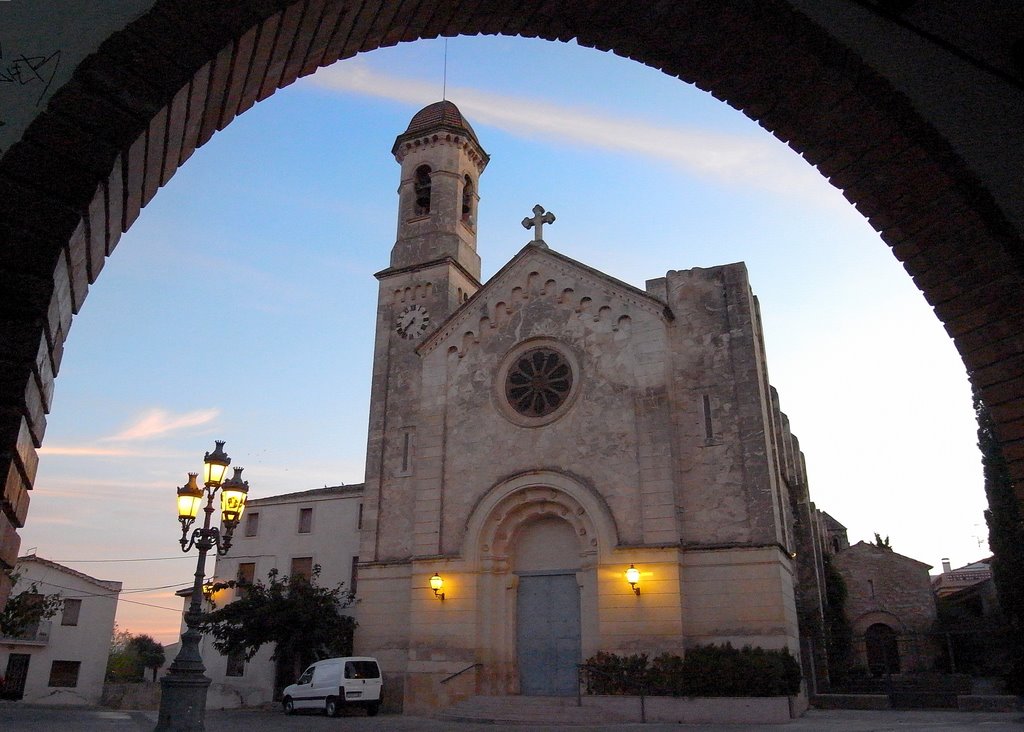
[84, 451]
[731, 159]
[158, 422]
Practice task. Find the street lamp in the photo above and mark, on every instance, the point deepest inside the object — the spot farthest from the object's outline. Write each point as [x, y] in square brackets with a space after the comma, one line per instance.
[184, 687]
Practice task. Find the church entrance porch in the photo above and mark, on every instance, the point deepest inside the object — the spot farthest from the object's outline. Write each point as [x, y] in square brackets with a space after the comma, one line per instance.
[548, 634]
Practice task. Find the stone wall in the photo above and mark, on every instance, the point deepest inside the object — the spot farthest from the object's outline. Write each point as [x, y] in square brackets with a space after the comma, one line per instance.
[894, 590]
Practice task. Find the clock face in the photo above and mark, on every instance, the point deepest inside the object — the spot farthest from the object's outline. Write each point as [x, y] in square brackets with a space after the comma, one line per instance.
[412, 322]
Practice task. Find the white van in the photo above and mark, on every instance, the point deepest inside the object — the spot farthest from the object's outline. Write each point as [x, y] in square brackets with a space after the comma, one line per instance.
[334, 683]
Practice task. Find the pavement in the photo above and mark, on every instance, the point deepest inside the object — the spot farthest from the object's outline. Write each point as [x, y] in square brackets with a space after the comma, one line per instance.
[18, 717]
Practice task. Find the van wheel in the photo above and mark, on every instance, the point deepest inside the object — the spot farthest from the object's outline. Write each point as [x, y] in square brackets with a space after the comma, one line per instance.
[289, 707]
[332, 708]
[372, 709]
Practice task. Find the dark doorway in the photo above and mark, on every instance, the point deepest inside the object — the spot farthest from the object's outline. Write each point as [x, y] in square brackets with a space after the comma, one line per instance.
[883, 650]
[548, 634]
[14, 680]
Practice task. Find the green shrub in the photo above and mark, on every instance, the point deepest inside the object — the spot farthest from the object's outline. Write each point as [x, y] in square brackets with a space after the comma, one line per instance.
[615, 675]
[704, 671]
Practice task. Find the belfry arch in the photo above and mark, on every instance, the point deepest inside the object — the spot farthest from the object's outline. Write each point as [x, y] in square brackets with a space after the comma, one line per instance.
[935, 172]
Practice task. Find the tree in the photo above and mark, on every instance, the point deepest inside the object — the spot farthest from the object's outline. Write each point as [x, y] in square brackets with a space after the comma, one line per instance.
[123, 664]
[130, 656]
[303, 620]
[838, 633]
[24, 611]
[148, 651]
[882, 543]
[1005, 539]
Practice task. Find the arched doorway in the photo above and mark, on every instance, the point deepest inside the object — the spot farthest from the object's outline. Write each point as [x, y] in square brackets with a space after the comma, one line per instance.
[538, 524]
[548, 634]
[883, 650]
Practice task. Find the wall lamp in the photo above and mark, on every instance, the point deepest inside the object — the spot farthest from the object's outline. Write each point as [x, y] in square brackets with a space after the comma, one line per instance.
[436, 583]
[633, 578]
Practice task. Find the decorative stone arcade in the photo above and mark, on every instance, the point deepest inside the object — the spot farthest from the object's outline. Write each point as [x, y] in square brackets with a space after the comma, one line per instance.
[916, 114]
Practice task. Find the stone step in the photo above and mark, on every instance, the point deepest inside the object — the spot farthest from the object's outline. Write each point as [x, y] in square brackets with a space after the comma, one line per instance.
[530, 710]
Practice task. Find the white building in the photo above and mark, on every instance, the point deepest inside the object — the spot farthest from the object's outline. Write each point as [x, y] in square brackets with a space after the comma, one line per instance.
[291, 533]
[61, 660]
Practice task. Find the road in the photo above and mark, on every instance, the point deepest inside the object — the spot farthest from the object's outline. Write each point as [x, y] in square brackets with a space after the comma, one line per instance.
[16, 717]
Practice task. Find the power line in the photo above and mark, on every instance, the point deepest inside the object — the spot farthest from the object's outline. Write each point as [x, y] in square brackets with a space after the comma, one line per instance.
[145, 559]
[108, 594]
[158, 607]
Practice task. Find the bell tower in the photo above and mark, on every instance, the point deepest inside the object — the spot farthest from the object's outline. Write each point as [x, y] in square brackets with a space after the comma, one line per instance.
[441, 161]
[434, 269]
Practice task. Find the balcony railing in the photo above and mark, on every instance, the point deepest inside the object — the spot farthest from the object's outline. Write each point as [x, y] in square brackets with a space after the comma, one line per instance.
[38, 634]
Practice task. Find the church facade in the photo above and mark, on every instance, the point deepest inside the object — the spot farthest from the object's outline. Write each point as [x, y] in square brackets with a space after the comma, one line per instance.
[534, 437]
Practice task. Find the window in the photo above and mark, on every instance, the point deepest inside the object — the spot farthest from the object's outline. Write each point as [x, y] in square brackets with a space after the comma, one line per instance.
[70, 614]
[353, 576]
[252, 523]
[302, 567]
[408, 451]
[236, 665]
[359, 518]
[421, 188]
[32, 601]
[362, 670]
[538, 382]
[305, 520]
[246, 572]
[709, 430]
[467, 202]
[64, 673]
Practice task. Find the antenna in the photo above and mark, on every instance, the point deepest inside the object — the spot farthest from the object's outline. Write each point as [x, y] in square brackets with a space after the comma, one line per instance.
[444, 77]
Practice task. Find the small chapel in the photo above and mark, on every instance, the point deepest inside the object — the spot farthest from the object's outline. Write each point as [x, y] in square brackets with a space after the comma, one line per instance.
[560, 463]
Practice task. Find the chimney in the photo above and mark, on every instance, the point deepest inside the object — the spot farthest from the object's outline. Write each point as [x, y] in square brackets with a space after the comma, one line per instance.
[945, 565]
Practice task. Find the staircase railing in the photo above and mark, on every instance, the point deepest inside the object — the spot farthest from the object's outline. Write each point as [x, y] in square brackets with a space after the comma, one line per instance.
[446, 679]
[582, 670]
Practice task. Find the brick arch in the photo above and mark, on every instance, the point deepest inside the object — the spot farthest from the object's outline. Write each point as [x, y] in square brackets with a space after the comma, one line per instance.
[136, 110]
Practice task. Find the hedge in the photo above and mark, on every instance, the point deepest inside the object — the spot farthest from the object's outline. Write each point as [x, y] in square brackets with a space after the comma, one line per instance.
[704, 671]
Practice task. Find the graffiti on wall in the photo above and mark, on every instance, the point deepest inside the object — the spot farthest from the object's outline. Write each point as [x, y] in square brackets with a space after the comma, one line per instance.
[20, 72]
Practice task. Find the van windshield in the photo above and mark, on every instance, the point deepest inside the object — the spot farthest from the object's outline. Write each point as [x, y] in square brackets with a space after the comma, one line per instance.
[361, 670]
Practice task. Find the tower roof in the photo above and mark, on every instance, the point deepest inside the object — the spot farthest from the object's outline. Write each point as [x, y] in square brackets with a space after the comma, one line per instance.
[442, 115]
[439, 114]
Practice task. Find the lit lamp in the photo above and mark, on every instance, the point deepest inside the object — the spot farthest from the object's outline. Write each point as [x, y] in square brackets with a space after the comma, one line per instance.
[633, 578]
[190, 497]
[232, 500]
[215, 465]
[436, 583]
[184, 687]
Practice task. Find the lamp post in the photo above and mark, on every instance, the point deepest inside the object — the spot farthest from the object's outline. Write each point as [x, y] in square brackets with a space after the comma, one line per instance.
[183, 689]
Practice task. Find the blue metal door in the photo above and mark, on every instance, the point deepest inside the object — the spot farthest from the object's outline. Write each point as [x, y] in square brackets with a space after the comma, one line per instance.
[548, 634]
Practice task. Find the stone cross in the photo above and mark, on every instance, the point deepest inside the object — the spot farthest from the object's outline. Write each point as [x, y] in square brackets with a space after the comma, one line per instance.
[537, 222]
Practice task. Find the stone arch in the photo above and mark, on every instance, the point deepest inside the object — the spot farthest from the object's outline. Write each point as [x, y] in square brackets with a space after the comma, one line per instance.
[152, 93]
[492, 530]
[863, 622]
[502, 511]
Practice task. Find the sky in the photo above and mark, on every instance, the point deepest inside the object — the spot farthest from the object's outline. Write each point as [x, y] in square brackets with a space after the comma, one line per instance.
[241, 305]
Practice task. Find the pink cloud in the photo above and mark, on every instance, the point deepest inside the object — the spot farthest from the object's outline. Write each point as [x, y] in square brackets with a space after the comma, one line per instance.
[157, 422]
[83, 451]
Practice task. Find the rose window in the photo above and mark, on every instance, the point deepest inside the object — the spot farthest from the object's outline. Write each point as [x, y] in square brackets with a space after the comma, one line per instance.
[538, 382]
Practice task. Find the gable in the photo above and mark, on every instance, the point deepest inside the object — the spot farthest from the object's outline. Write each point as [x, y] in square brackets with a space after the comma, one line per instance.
[536, 274]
